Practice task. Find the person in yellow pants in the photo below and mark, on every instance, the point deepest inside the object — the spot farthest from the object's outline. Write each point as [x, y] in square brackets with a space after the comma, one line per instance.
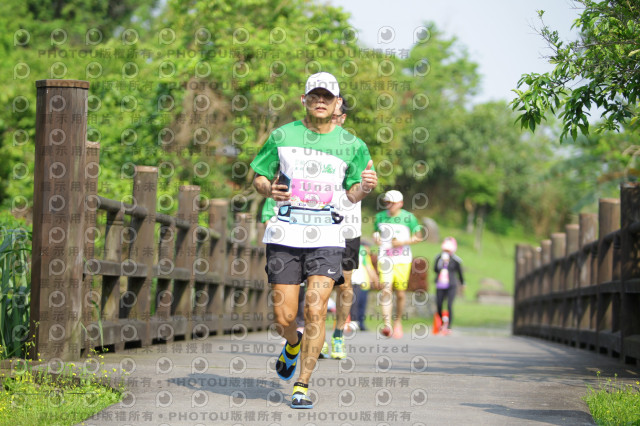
[395, 231]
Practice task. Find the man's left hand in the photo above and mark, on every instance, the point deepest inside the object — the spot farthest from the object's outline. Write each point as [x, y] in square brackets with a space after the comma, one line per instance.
[369, 178]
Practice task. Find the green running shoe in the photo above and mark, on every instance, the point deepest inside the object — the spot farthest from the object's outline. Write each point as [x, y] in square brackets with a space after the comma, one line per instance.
[324, 353]
[337, 348]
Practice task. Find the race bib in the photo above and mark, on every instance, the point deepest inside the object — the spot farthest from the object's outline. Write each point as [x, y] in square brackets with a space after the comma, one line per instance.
[314, 193]
[443, 279]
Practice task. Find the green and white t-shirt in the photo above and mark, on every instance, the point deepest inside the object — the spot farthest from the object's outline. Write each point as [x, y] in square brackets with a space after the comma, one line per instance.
[352, 224]
[268, 209]
[321, 168]
[401, 227]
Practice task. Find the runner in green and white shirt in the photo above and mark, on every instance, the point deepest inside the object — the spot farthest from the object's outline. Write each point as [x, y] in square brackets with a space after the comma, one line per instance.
[395, 230]
[312, 168]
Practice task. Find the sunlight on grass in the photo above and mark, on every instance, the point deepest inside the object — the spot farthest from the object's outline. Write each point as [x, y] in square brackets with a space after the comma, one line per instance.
[614, 403]
[56, 393]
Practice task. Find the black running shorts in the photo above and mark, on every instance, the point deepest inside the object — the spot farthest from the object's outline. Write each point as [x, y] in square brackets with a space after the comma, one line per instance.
[293, 265]
[350, 260]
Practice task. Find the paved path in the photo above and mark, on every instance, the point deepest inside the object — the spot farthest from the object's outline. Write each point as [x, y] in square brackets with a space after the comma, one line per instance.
[470, 377]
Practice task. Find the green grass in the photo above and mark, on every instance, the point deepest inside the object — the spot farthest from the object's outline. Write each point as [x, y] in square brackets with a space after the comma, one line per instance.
[467, 314]
[614, 403]
[34, 396]
[472, 314]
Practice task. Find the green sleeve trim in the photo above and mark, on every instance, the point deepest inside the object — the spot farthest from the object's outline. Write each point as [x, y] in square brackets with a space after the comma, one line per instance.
[414, 225]
[267, 161]
[357, 166]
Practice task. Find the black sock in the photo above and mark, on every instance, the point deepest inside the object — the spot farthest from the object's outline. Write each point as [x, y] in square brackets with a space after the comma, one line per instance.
[337, 333]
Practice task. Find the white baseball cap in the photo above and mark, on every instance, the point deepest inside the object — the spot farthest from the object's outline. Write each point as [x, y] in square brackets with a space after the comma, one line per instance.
[322, 80]
[393, 196]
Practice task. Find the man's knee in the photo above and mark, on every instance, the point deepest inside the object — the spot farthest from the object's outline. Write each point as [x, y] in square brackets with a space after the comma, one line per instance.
[344, 288]
[283, 317]
[315, 312]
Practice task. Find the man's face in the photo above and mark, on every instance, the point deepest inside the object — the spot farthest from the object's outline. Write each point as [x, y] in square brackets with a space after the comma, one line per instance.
[321, 103]
[394, 208]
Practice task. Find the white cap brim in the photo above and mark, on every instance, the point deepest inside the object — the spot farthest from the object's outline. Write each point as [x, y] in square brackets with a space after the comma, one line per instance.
[322, 80]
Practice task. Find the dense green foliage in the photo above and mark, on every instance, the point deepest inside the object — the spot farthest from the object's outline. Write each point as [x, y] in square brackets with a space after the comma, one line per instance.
[195, 87]
[600, 69]
[15, 286]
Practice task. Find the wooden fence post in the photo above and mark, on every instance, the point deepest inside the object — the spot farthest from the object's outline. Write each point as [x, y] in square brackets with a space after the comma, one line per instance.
[521, 287]
[218, 216]
[240, 268]
[570, 302]
[185, 256]
[586, 302]
[558, 251]
[609, 221]
[259, 275]
[90, 299]
[573, 232]
[202, 267]
[58, 218]
[555, 305]
[630, 271]
[110, 299]
[536, 257]
[143, 251]
[546, 278]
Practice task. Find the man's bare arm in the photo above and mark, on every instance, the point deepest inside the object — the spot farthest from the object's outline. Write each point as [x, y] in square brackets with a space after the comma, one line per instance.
[369, 181]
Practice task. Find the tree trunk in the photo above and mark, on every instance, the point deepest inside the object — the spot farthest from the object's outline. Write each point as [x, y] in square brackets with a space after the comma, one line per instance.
[470, 208]
[477, 244]
[256, 203]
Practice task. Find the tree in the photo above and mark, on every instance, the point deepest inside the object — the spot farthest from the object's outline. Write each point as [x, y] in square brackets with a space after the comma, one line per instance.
[255, 56]
[74, 40]
[442, 78]
[599, 69]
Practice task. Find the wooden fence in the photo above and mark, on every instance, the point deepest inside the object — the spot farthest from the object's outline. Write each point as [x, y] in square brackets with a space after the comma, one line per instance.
[159, 277]
[582, 287]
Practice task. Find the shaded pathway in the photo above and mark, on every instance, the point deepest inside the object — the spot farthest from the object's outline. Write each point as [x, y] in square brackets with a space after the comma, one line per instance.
[469, 377]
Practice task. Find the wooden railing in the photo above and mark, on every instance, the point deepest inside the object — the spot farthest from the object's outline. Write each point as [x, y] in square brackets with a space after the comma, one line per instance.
[158, 278]
[582, 287]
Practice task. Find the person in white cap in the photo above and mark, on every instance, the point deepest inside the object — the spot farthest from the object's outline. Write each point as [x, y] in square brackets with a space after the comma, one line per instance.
[448, 269]
[352, 231]
[311, 168]
[395, 230]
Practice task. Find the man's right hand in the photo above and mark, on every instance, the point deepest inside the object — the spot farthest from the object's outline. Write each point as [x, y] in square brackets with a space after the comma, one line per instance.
[280, 192]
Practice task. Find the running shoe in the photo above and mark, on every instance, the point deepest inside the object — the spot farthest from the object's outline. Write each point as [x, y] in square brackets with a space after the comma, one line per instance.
[337, 348]
[397, 331]
[324, 352]
[299, 399]
[288, 359]
[386, 331]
